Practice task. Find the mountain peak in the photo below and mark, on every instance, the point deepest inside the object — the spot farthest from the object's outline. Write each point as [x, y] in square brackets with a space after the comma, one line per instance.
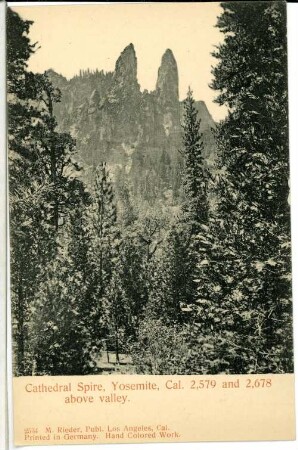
[130, 47]
[128, 53]
[168, 56]
[126, 64]
[167, 80]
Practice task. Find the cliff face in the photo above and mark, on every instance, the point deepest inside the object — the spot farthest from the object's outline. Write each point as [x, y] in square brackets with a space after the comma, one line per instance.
[137, 133]
[167, 80]
[125, 75]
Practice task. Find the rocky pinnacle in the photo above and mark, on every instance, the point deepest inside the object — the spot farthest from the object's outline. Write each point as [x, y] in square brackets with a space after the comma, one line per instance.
[167, 80]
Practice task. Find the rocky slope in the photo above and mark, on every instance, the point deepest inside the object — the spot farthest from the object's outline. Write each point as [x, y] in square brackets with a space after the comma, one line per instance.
[137, 133]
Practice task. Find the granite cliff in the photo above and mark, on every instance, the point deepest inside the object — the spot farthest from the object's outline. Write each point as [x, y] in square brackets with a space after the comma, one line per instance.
[138, 133]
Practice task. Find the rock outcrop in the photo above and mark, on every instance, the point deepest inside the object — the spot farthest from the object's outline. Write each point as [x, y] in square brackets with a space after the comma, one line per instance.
[125, 75]
[137, 133]
[167, 80]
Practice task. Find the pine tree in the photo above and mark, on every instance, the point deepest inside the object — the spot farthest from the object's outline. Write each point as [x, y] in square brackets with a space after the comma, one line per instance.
[185, 251]
[104, 221]
[167, 293]
[135, 274]
[25, 192]
[104, 256]
[195, 180]
[67, 308]
[42, 180]
[59, 340]
[244, 306]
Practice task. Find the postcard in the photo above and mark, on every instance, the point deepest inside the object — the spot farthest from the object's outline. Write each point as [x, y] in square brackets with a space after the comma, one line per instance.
[149, 217]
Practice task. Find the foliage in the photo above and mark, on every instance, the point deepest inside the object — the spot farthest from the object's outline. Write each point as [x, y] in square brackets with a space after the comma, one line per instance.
[160, 349]
[195, 206]
[43, 183]
[195, 282]
[244, 290]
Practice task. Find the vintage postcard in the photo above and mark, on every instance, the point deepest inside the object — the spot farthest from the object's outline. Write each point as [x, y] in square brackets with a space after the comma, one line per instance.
[150, 248]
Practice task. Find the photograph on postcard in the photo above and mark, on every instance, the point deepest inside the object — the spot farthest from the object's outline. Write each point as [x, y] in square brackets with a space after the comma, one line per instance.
[149, 194]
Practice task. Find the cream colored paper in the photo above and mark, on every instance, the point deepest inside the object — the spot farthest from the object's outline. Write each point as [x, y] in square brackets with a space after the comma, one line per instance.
[153, 409]
[184, 408]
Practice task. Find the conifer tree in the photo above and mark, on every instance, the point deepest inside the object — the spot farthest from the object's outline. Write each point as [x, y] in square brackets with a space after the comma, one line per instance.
[243, 280]
[185, 250]
[195, 180]
[103, 215]
[104, 256]
[42, 180]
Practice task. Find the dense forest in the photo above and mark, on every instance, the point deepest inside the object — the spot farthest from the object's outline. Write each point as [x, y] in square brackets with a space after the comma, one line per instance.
[193, 283]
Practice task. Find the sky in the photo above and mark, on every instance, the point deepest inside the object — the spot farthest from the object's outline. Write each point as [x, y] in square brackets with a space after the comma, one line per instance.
[74, 37]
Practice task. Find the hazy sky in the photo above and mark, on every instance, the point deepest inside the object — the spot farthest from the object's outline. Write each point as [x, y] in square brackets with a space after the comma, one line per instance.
[92, 36]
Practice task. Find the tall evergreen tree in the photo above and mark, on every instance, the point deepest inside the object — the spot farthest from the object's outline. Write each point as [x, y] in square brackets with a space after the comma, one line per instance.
[244, 285]
[184, 247]
[42, 180]
[195, 180]
[104, 258]
[103, 215]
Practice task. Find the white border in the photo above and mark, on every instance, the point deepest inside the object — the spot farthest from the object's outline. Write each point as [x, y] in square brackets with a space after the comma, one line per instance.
[293, 100]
